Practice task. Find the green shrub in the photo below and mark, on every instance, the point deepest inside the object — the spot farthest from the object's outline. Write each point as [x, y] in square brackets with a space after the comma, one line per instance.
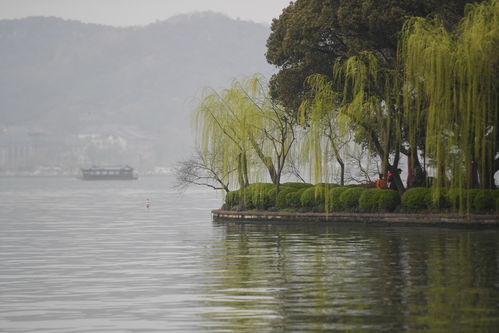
[297, 185]
[417, 198]
[388, 200]
[281, 197]
[232, 198]
[368, 201]
[255, 196]
[319, 208]
[439, 198]
[270, 197]
[469, 197]
[327, 185]
[293, 199]
[484, 201]
[462, 198]
[314, 196]
[350, 198]
[334, 199]
[307, 198]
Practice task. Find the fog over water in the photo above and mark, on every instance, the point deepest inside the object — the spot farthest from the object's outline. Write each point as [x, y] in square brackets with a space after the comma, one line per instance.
[139, 256]
[75, 94]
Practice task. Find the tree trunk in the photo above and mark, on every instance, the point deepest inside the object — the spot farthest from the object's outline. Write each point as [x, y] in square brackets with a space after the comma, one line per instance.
[414, 166]
[342, 173]
[396, 179]
[267, 161]
[242, 175]
[339, 160]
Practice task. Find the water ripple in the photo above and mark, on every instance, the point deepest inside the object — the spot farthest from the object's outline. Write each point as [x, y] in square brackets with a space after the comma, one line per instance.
[89, 257]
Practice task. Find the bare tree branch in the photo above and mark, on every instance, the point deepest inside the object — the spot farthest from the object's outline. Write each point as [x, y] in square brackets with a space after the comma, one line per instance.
[201, 171]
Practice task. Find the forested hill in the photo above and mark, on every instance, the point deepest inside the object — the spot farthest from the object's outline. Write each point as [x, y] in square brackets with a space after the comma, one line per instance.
[65, 78]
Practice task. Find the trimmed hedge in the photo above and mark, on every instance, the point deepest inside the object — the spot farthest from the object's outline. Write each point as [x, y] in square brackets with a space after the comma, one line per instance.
[307, 198]
[232, 198]
[327, 185]
[281, 197]
[484, 201]
[293, 199]
[469, 197]
[333, 198]
[350, 198]
[368, 201]
[417, 198]
[495, 193]
[255, 196]
[270, 197]
[314, 197]
[376, 200]
[388, 200]
[439, 199]
[297, 185]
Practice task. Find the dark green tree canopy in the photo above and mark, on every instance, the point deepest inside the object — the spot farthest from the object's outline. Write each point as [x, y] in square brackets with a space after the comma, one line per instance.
[311, 34]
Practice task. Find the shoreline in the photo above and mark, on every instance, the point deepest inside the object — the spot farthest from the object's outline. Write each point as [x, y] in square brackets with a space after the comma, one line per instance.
[486, 220]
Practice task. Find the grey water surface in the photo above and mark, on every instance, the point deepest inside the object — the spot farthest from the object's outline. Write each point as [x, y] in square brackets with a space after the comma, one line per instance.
[81, 256]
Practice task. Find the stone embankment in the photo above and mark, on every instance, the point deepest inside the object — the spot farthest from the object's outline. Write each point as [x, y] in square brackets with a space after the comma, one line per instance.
[370, 218]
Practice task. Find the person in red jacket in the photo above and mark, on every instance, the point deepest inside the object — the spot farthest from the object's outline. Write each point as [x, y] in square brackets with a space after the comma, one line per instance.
[391, 180]
[381, 182]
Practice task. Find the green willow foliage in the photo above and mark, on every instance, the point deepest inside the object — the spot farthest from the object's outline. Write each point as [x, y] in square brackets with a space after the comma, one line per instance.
[448, 83]
[361, 108]
[222, 122]
[370, 103]
[250, 133]
[451, 87]
[324, 135]
[444, 89]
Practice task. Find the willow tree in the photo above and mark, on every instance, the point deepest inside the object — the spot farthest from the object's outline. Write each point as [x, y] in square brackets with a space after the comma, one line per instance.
[451, 83]
[273, 135]
[310, 35]
[370, 106]
[248, 129]
[222, 125]
[361, 99]
[325, 137]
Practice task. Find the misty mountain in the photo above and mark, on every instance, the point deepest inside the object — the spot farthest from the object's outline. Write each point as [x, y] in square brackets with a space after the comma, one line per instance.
[67, 87]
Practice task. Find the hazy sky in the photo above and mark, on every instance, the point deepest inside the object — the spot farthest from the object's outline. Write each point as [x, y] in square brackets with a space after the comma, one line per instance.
[139, 12]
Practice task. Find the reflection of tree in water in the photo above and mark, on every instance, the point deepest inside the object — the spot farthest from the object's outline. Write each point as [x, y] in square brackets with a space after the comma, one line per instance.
[462, 270]
[289, 278]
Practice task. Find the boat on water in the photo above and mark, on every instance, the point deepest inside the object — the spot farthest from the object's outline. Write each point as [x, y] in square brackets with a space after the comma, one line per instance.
[108, 173]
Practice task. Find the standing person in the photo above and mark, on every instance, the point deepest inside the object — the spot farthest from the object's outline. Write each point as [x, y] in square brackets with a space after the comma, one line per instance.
[381, 182]
[391, 179]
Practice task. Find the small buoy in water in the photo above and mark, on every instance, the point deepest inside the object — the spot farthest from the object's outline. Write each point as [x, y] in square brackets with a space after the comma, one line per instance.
[148, 203]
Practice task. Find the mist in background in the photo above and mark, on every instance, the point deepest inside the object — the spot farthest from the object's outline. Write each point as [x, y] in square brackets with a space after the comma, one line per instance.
[139, 12]
[75, 94]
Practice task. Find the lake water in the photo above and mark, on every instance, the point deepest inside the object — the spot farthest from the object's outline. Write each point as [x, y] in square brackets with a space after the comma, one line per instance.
[90, 257]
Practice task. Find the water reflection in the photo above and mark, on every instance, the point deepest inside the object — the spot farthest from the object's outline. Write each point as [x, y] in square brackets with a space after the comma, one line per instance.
[290, 278]
[89, 257]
